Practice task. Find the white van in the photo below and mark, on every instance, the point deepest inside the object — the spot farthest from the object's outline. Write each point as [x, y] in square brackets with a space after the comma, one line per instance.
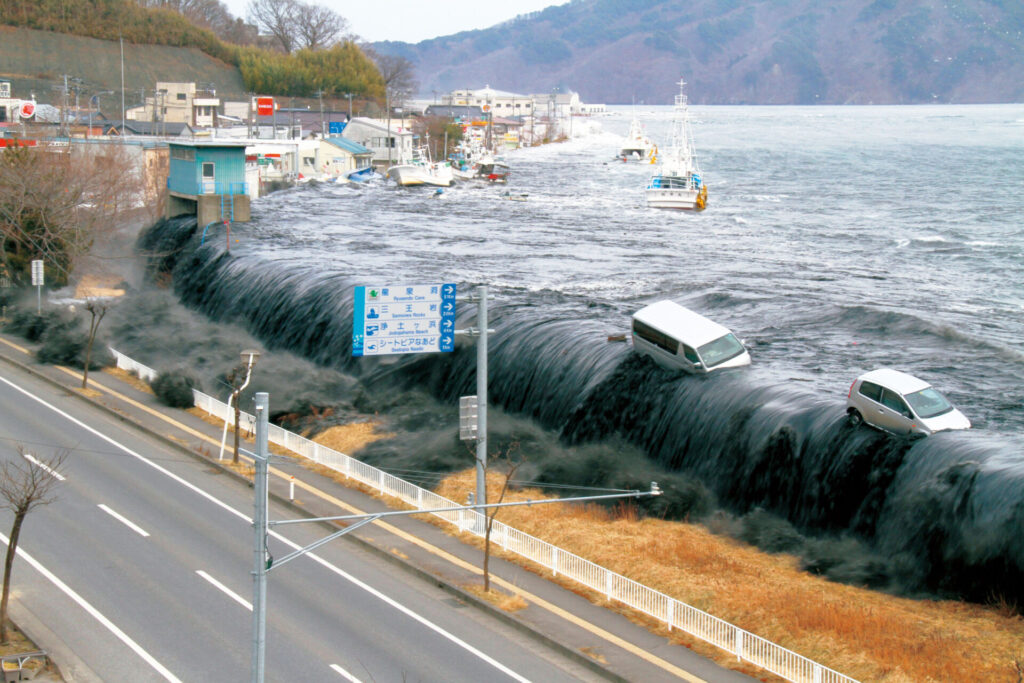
[679, 339]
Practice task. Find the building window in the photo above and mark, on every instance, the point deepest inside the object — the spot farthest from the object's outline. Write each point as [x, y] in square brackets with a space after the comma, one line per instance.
[207, 170]
[180, 96]
[183, 154]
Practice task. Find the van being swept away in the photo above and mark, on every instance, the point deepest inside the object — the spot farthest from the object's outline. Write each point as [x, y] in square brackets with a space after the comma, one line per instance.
[679, 339]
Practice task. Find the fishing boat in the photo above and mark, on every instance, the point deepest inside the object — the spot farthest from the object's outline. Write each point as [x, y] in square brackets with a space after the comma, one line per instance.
[637, 146]
[678, 183]
[488, 168]
[420, 170]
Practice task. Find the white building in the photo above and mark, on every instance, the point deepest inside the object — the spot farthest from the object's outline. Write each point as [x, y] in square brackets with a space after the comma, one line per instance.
[178, 103]
[387, 145]
[498, 102]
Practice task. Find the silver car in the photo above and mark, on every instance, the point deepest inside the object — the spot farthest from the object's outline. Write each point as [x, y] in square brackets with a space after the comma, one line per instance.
[901, 404]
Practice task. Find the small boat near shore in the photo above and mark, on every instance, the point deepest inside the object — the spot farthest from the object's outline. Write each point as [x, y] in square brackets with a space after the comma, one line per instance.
[487, 168]
[678, 183]
[637, 146]
[420, 170]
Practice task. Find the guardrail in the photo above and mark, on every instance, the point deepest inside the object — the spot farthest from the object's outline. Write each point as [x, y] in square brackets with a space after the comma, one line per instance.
[675, 614]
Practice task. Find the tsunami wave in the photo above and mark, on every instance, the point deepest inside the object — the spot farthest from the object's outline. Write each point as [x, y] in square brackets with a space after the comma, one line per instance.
[938, 516]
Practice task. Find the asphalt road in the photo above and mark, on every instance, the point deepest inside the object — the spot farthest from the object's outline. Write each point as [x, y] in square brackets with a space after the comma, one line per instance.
[141, 569]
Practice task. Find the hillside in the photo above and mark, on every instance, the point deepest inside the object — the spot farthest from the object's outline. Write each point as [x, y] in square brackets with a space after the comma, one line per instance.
[742, 52]
[36, 61]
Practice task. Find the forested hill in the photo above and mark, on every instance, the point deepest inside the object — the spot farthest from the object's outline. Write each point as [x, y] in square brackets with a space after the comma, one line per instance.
[742, 51]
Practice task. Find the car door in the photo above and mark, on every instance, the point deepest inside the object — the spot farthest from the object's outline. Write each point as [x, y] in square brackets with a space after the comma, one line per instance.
[894, 414]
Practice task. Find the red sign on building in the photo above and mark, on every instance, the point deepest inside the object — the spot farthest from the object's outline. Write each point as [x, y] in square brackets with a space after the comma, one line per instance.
[265, 106]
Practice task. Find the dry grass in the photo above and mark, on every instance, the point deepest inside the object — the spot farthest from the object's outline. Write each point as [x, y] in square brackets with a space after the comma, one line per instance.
[129, 378]
[350, 437]
[508, 602]
[861, 633]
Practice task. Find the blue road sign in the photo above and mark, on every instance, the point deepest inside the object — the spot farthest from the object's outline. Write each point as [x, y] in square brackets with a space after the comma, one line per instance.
[403, 319]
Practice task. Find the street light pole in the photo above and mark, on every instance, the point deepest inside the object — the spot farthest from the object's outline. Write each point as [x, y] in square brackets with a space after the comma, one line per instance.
[259, 548]
[263, 564]
[249, 357]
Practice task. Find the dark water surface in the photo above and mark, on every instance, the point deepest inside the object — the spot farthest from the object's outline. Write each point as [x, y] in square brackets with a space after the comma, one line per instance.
[837, 240]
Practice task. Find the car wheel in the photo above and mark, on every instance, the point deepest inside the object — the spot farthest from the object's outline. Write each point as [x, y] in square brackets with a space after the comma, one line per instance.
[854, 418]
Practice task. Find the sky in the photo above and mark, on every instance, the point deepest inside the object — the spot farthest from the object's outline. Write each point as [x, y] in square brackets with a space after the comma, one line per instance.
[415, 20]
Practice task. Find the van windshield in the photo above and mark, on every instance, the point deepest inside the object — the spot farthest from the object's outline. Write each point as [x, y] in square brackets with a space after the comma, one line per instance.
[720, 350]
[928, 403]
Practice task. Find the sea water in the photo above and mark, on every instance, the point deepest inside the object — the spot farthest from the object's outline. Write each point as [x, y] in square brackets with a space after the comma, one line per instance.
[836, 240]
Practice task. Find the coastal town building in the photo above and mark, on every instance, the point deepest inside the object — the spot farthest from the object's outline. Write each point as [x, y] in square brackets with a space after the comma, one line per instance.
[387, 144]
[178, 103]
[489, 100]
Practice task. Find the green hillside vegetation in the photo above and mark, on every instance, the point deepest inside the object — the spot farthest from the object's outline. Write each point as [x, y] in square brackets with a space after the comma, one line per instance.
[343, 68]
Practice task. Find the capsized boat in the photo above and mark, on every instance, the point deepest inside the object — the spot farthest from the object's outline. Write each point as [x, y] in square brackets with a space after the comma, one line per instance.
[420, 170]
[637, 146]
[678, 183]
[362, 175]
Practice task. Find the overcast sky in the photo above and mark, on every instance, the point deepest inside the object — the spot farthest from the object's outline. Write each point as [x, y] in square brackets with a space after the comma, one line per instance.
[415, 20]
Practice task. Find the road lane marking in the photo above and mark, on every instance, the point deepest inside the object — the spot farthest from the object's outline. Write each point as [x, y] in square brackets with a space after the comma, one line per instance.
[227, 591]
[43, 466]
[124, 520]
[432, 549]
[95, 613]
[346, 675]
[221, 504]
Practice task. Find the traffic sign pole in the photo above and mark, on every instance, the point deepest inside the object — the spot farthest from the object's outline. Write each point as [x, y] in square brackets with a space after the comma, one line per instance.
[481, 393]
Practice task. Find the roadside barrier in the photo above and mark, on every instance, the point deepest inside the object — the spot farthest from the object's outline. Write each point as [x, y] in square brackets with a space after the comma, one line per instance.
[675, 614]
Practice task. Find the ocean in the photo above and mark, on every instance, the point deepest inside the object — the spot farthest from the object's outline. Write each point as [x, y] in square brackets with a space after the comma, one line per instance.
[836, 240]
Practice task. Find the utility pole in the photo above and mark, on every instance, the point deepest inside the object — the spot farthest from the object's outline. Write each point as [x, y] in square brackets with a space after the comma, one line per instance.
[320, 95]
[349, 96]
[481, 392]
[387, 139]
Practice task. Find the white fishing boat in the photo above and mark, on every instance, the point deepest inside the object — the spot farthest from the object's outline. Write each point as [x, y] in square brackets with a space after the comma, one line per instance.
[420, 170]
[678, 183]
[637, 146]
[488, 168]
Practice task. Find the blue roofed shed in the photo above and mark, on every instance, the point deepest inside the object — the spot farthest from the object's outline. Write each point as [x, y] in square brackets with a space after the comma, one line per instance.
[208, 179]
[338, 156]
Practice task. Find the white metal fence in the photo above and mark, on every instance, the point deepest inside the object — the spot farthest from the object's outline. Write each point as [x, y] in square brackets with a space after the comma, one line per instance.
[126, 363]
[675, 614]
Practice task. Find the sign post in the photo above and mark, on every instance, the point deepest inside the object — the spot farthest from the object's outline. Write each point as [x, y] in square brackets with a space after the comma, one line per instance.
[402, 319]
[37, 282]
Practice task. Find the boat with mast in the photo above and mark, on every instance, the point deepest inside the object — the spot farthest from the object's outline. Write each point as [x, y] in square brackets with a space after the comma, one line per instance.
[678, 183]
[422, 170]
[637, 145]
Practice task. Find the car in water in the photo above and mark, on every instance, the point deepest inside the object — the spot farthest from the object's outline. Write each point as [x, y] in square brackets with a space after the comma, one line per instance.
[902, 404]
[680, 339]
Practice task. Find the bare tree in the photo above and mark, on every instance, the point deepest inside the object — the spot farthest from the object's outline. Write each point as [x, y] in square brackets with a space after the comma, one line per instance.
[399, 74]
[278, 18]
[318, 27]
[97, 310]
[54, 202]
[23, 486]
[510, 470]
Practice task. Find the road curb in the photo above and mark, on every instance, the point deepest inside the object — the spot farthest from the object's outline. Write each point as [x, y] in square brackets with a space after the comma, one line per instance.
[409, 567]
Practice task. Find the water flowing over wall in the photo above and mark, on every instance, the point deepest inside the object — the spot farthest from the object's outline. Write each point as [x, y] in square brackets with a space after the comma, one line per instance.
[944, 514]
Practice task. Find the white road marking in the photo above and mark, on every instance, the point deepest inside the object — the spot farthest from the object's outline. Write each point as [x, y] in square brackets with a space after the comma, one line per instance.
[346, 675]
[124, 520]
[230, 593]
[248, 520]
[95, 613]
[53, 473]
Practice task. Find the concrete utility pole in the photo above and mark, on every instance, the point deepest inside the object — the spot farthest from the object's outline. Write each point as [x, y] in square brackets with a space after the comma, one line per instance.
[481, 392]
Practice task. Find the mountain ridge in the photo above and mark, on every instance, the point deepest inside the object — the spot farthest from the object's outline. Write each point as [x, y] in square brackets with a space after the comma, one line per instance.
[741, 52]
